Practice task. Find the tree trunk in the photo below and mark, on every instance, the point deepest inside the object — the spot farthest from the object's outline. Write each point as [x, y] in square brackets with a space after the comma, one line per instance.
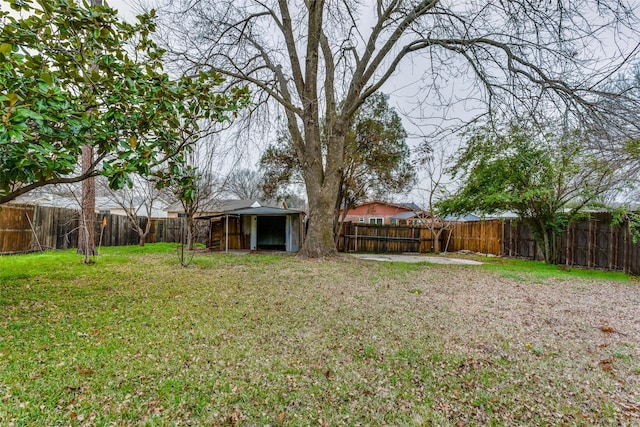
[86, 237]
[436, 240]
[322, 184]
[319, 241]
[145, 232]
[547, 239]
[546, 246]
[190, 232]
[553, 247]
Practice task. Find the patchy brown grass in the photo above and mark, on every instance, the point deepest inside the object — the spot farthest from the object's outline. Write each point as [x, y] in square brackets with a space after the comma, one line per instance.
[260, 339]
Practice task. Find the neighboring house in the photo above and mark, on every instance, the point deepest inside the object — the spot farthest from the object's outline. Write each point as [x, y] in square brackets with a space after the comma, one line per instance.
[252, 225]
[379, 212]
[37, 198]
[104, 205]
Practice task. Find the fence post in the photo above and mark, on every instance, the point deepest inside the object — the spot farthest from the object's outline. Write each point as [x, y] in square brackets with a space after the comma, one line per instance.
[356, 240]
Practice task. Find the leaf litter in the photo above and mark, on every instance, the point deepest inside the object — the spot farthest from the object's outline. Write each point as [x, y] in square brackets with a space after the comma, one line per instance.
[281, 341]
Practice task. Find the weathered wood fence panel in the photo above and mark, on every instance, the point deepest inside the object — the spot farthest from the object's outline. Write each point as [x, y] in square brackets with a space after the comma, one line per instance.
[518, 241]
[384, 238]
[56, 228]
[595, 243]
[590, 243]
[476, 236]
[15, 229]
[26, 228]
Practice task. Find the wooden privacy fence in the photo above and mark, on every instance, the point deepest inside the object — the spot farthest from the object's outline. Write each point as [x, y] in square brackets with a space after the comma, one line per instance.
[27, 228]
[476, 236]
[385, 238]
[590, 243]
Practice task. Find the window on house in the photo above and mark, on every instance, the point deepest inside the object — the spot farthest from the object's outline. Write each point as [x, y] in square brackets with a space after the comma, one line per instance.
[394, 221]
[361, 219]
[105, 211]
[377, 221]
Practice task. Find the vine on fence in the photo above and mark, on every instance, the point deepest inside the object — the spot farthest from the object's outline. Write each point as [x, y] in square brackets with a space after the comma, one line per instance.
[632, 219]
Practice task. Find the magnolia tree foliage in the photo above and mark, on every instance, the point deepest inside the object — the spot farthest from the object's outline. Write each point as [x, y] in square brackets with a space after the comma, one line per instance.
[70, 75]
[546, 178]
[320, 60]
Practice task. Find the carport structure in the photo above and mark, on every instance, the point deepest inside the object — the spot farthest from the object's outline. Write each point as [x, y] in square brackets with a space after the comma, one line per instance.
[256, 227]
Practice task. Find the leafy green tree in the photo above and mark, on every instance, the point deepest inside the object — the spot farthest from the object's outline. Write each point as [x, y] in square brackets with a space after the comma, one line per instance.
[377, 157]
[73, 75]
[546, 178]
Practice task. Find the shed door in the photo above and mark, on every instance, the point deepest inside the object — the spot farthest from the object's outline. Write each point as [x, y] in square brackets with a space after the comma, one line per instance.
[272, 232]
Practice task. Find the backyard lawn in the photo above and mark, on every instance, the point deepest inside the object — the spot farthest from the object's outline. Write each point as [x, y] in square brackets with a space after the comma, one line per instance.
[262, 339]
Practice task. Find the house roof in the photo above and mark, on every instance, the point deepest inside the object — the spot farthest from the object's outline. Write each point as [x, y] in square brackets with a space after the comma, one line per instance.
[405, 215]
[406, 205]
[102, 203]
[475, 217]
[411, 206]
[264, 210]
[467, 217]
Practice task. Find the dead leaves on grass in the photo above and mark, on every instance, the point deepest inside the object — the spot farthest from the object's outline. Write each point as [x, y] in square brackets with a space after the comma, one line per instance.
[607, 329]
[606, 364]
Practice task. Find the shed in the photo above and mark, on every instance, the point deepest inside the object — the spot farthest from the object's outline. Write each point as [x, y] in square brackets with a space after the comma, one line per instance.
[256, 228]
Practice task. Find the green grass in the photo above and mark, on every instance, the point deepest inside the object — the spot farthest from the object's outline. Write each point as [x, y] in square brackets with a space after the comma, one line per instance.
[538, 270]
[135, 339]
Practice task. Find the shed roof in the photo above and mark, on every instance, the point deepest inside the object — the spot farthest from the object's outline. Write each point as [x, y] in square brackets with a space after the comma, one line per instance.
[258, 210]
[218, 205]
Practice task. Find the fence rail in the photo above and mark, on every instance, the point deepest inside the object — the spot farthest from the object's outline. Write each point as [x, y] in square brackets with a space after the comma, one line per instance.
[590, 243]
[28, 228]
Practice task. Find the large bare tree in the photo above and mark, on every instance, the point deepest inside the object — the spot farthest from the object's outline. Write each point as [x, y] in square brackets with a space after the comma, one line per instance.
[320, 60]
[244, 184]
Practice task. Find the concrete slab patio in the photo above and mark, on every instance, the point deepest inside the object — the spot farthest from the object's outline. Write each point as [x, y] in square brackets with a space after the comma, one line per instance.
[415, 258]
